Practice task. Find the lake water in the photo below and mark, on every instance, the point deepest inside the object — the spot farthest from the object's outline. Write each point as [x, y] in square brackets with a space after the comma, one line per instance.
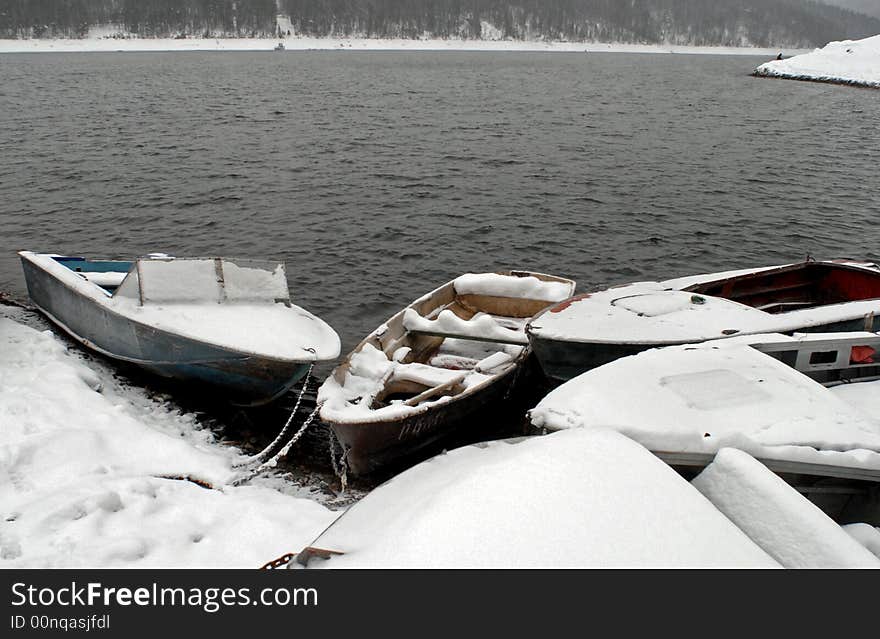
[378, 176]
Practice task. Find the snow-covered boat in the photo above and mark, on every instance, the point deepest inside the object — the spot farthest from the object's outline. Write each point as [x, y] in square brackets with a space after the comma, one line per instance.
[572, 499]
[780, 398]
[228, 323]
[443, 359]
[592, 329]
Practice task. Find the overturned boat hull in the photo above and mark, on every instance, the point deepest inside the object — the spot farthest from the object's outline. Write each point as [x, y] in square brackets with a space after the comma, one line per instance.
[800, 404]
[243, 378]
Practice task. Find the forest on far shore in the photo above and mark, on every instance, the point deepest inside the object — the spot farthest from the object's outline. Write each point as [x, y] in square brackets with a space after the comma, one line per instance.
[763, 23]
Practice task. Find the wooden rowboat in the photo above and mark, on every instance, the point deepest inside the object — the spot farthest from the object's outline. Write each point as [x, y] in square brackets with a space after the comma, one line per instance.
[448, 357]
[226, 323]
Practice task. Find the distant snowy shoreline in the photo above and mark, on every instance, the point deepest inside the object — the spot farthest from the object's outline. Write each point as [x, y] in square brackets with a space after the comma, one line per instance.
[354, 44]
[855, 62]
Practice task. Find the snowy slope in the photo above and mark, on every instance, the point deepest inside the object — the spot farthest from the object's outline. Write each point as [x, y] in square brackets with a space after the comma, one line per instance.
[848, 62]
[93, 476]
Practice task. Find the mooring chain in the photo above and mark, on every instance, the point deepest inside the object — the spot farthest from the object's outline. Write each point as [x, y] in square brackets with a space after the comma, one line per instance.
[331, 439]
[281, 562]
[343, 476]
[340, 468]
[516, 372]
[264, 454]
[281, 454]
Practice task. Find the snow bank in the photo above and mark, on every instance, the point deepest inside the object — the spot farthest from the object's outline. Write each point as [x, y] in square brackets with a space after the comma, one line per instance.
[774, 515]
[577, 498]
[847, 62]
[298, 43]
[93, 476]
[701, 398]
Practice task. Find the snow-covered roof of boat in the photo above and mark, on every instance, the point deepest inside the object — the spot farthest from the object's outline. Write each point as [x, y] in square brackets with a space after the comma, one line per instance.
[700, 398]
[579, 498]
[662, 313]
[182, 297]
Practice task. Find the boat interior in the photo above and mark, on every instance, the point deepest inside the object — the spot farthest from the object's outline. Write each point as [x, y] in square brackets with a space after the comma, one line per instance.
[108, 274]
[432, 362]
[798, 286]
[429, 366]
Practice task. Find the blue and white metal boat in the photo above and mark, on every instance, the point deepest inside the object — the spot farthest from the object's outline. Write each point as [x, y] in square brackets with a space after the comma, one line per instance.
[223, 322]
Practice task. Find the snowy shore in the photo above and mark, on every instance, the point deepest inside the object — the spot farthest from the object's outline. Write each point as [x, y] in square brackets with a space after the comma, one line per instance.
[855, 62]
[353, 44]
[95, 473]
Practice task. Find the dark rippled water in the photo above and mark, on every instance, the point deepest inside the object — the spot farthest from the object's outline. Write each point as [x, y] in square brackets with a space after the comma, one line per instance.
[377, 176]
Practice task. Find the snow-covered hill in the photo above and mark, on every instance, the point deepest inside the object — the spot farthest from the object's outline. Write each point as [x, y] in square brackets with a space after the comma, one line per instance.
[854, 62]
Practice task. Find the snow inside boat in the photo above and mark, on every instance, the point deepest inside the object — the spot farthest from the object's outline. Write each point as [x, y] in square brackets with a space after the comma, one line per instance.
[441, 360]
[592, 329]
[224, 322]
[807, 404]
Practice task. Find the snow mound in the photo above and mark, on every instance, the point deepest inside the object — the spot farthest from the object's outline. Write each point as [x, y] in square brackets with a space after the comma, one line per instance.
[848, 62]
[574, 498]
[778, 518]
[90, 477]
